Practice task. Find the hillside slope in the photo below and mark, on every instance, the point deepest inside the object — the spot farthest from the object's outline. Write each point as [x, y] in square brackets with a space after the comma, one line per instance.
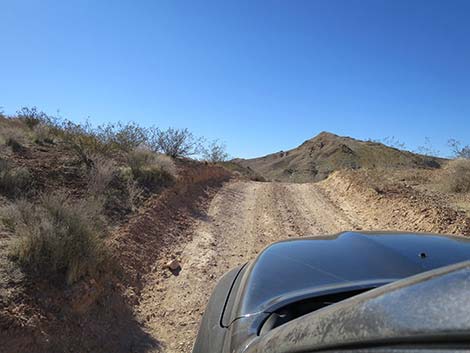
[316, 158]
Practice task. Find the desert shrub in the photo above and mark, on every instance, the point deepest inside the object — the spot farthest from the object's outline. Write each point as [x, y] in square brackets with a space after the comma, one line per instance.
[174, 142]
[215, 152]
[13, 135]
[122, 196]
[84, 141]
[134, 194]
[458, 150]
[14, 181]
[258, 177]
[57, 238]
[122, 137]
[101, 174]
[106, 140]
[33, 117]
[153, 178]
[427, 149]
[43, 134]
[390, 141]
[14, 144]
[456, 176]
[151, 170]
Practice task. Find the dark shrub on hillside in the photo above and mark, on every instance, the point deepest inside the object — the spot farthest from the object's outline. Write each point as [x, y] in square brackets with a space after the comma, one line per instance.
[15, 145]
[14, 181]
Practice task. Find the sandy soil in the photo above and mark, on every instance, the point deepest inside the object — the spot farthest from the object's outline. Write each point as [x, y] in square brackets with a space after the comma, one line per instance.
[241, 220]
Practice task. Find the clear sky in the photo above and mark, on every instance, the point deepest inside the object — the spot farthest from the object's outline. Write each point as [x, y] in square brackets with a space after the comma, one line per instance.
[262, 76]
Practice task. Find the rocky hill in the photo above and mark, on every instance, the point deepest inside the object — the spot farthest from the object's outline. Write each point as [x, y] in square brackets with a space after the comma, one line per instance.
[316, 158]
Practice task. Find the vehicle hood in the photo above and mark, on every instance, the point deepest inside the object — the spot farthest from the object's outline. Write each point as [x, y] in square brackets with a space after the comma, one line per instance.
[292, 270]
[429, 308]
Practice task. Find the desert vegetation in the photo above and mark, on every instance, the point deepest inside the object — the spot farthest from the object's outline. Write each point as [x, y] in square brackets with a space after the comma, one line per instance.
[57, 228]
[57, 237]
[456, 176]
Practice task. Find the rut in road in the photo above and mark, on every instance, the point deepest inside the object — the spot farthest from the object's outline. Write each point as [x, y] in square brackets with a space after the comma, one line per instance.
[242, 219]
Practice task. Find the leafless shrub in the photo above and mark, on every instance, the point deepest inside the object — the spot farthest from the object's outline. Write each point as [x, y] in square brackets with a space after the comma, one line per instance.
[174, 142]
[57, 238]
[456, 176]
[390, 141]
[427, 148]
[33, 117]
[458, 150]
[215, 152]
[14, 181]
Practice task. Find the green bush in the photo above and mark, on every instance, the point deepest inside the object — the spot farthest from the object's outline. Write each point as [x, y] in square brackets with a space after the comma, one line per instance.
[57, 239]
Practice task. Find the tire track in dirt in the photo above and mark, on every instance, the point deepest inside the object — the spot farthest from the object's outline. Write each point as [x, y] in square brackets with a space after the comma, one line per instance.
[242, 219]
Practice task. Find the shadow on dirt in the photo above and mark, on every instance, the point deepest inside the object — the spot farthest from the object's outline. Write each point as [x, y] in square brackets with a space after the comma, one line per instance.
[43, 319]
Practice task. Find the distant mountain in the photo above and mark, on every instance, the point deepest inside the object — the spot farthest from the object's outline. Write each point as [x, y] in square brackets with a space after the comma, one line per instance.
[316, 158]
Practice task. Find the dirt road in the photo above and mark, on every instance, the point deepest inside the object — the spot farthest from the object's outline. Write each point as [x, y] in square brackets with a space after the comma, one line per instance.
[242, 219]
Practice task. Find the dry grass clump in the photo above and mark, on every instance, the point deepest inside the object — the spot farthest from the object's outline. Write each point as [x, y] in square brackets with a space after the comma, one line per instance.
[43, 134]
[13, 135]
[101, 175]
[456, 176]
[151, 170]
[57, 238]
[14, 181]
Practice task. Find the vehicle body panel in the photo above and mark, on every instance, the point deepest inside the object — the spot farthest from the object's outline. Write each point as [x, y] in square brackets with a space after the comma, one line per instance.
[429, 308]
[294, 270]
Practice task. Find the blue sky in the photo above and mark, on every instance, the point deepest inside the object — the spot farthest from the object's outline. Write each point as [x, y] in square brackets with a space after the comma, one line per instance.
[262, 76]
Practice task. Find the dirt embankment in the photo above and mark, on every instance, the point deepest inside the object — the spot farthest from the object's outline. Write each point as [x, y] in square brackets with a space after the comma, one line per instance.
[99, 316]
[394, 206]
